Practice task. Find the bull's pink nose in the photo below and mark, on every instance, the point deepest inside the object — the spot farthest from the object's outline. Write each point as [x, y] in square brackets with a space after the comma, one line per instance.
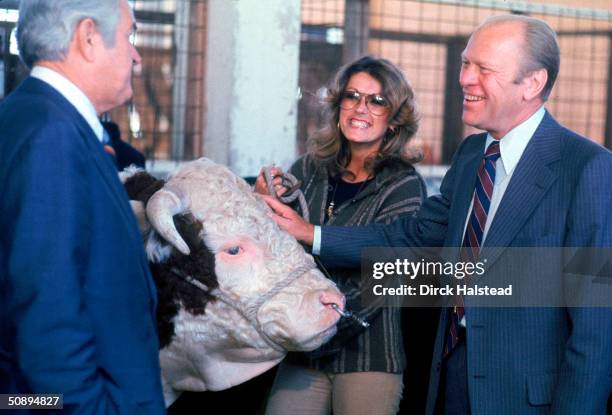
[330, 296]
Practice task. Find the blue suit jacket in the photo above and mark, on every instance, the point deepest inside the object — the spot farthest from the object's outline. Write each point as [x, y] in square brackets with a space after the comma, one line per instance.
[77, 301]
[520, 360]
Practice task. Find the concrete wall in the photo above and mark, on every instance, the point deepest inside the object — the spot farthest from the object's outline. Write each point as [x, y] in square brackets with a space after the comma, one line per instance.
[251, 85]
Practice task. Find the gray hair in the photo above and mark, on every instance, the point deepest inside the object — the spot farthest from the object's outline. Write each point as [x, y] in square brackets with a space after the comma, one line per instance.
[541, 47]
[46, 27]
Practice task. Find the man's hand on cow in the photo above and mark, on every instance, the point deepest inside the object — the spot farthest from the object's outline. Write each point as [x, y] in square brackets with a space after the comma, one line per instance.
[261, 185]
[289, 220]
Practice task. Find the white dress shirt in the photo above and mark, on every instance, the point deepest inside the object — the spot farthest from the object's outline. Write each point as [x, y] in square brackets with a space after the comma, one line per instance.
[511, 148]
[73, 94]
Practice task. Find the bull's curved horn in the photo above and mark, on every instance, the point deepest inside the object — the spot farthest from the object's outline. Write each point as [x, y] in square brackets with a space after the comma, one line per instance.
[162, 206]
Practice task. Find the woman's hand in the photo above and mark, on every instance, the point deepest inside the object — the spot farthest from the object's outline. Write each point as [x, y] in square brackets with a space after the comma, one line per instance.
[261, 186]
[289, 220]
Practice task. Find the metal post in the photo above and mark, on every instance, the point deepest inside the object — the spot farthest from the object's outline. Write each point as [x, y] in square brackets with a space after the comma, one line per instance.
[608, 133]
[179, 86]
[452, 130]
[356, 29]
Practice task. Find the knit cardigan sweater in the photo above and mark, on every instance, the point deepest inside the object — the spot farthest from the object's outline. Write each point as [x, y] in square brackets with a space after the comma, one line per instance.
[396, 191]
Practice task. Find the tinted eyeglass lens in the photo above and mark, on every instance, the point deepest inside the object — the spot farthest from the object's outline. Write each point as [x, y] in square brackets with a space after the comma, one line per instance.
[375, 103]
[350, 99]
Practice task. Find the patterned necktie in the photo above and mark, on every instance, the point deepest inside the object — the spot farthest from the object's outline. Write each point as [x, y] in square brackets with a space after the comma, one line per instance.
[474, 232]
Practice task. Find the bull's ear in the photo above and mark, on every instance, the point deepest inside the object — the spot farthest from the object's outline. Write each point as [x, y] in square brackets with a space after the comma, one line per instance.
[139, 211]
[139, 184]
[129, 173]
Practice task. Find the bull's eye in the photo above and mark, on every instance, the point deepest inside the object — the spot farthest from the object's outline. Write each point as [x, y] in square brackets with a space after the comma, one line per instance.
[234, 250]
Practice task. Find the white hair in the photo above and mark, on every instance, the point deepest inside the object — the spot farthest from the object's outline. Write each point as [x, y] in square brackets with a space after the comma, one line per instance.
[541, 47]
[46, 27]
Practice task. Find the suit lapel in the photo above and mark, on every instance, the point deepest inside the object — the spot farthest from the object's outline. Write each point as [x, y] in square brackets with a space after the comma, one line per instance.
[464, 192]
[108, 172]
[529, 183]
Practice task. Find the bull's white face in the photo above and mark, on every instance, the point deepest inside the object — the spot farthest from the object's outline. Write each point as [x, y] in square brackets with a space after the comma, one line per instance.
[299, 317]
[252, 256]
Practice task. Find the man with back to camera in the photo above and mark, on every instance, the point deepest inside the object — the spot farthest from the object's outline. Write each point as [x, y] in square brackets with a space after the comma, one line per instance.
[77, 301]
[547, 187]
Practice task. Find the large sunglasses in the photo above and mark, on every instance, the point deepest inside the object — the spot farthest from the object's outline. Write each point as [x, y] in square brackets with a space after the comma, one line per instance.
[375, 103]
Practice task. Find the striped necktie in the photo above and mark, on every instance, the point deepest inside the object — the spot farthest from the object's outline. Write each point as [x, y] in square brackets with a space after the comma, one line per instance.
[474, 231]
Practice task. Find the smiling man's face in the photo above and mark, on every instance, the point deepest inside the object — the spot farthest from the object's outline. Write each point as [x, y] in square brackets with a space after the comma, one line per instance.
[490, 71]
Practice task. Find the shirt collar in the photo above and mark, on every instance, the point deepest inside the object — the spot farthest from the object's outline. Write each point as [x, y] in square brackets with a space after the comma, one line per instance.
[73, 94]
[512, 145]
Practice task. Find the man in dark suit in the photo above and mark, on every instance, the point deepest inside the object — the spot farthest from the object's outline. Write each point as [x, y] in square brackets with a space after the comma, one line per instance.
[77, 301]
[526, 182]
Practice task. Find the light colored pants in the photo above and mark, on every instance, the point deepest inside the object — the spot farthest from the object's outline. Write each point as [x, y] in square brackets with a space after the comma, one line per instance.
[299, 390]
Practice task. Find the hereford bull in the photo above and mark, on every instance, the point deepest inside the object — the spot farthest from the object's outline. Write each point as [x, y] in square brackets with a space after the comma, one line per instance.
[235, 292]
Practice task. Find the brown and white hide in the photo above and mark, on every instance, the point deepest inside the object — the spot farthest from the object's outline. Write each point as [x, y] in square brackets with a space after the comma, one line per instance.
[237, 255]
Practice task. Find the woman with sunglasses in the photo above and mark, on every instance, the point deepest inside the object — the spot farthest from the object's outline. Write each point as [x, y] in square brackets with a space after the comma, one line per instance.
[357, 171]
